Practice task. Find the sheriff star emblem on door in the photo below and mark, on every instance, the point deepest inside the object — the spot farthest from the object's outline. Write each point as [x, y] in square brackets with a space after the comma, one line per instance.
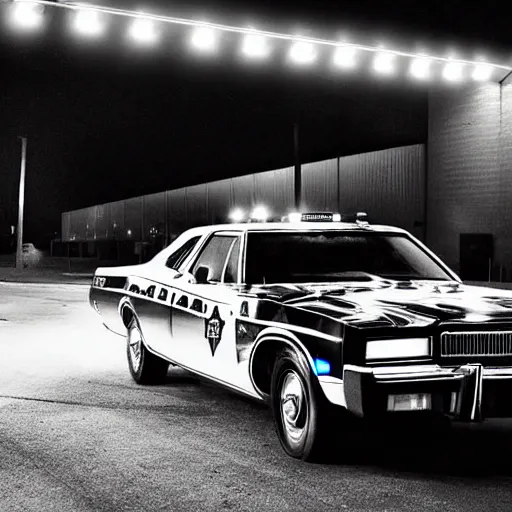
[213, 329]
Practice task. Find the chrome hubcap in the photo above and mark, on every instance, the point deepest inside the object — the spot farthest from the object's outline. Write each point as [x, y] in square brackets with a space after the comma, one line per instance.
[294, 408]
[135, 344]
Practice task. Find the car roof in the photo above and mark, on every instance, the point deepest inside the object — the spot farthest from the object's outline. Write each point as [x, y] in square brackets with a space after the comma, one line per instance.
[298, 226]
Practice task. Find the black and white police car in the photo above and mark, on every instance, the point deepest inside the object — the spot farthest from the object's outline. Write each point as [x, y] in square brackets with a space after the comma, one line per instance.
[318, 317]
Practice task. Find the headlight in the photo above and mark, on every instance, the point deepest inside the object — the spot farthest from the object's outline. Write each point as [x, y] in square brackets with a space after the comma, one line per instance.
[402, 348]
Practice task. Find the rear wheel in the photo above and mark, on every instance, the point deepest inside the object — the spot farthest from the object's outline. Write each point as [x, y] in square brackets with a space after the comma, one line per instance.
[145, 367]
[301, 412]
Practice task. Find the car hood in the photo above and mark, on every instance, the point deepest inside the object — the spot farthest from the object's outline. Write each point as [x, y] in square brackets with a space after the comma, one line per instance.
[396, 303]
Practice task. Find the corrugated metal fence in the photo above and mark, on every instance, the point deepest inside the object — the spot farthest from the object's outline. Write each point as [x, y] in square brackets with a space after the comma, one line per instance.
[388, 185]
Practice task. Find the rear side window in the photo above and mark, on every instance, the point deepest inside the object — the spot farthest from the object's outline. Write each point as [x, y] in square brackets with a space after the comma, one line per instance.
[176, 259]
[214, 256]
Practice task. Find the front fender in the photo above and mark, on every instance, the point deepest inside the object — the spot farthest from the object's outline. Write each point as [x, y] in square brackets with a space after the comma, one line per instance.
[265, 350]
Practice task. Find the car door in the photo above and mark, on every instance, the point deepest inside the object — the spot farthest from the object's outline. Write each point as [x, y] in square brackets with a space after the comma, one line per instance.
[203, 313]
[152, 296]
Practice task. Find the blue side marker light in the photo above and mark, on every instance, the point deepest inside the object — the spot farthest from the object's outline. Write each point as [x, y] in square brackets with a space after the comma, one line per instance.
[322, 367]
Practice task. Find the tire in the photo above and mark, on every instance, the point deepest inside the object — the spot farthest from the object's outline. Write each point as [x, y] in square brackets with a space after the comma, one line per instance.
[301, 412]
[145, 367]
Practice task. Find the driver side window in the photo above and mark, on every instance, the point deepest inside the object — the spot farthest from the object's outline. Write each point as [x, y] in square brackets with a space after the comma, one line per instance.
[214, 255]
[175, 260]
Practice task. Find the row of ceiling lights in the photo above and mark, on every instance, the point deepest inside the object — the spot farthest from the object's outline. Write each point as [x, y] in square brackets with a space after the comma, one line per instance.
[92, 22]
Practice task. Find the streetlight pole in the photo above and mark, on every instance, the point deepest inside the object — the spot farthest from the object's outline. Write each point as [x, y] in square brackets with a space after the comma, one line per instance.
[297, 168]
[21, 201]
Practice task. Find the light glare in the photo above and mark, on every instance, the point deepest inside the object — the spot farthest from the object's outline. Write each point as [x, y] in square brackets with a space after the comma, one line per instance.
[453, 71]
[88, 23]
[482, 72]
[255, 46]
[384, 63]
[302, 53]
[345, 57]
[27, 15]
[237, 215]
[204, 39]
[260, 213]
[143, 31]
[295, 217]
[420, 68]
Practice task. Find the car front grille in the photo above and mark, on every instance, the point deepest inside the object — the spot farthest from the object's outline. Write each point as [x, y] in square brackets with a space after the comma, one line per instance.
[457, 344]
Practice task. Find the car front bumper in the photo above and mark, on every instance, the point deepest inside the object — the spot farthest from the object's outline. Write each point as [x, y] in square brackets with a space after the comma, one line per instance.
[470, 392]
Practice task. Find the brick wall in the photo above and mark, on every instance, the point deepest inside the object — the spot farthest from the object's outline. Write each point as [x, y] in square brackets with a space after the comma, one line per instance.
[469, 182]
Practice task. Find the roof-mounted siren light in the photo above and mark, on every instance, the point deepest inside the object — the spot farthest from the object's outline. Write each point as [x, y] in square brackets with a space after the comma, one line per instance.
[236, 215]
[260, 214]
[362, 219]
[295, 217]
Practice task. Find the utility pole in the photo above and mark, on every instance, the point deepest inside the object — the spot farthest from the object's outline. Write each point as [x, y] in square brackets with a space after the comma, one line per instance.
[21, 201]
[297, 173]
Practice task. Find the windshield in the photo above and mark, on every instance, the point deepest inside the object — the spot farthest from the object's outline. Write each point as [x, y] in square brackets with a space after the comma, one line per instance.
[329, 256]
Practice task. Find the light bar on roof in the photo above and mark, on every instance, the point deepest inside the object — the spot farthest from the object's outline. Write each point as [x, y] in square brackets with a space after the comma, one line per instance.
[303, 50]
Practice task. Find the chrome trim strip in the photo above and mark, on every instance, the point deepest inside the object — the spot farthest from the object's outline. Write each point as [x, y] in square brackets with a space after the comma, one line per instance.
[207, 377]
[497, 373]
[291, 328]
[444, 378]
[431, 372]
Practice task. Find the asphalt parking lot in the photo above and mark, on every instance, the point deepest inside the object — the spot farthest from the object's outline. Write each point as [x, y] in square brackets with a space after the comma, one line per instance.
[76, 433]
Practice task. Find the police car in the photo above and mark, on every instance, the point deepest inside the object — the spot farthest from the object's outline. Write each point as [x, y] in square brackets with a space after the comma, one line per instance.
[319, 316]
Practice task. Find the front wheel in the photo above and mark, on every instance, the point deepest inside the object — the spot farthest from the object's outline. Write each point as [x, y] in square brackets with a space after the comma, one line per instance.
[145, 367]
[301, 412]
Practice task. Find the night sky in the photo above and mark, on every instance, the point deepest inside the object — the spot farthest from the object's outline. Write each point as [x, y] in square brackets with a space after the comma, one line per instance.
[107, 120]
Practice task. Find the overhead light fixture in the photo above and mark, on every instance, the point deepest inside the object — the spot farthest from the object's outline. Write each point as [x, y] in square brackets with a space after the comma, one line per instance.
[453, 71]
[345, 57]
[302, 52]
[420, 68]
[384, 63]
[143, 31]
[89, 22]
[482, 72]
[255, 46]
[27, 15]
[204, 39]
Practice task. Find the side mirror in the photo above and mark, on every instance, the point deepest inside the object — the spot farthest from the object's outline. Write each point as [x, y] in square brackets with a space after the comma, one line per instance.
[201, 275]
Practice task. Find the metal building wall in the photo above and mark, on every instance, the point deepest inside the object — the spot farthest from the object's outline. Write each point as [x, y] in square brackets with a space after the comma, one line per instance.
[176, 210]
[386, 184]
[320, 186]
